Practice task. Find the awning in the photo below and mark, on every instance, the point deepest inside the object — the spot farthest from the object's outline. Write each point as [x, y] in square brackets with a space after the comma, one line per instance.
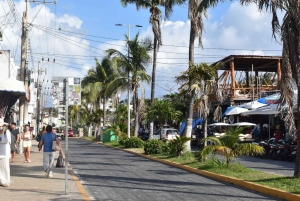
[10, 91]
[12, 85]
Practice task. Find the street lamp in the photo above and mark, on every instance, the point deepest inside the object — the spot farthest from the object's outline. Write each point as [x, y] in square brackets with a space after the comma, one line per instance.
[128, 76]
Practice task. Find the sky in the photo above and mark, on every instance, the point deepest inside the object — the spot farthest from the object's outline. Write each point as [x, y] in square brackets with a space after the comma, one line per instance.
[75, 32]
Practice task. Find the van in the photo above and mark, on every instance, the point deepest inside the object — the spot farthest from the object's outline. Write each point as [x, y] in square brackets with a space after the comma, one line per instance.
[167, 133]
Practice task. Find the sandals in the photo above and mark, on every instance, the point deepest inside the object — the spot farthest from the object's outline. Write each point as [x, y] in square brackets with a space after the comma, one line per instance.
[5, 185]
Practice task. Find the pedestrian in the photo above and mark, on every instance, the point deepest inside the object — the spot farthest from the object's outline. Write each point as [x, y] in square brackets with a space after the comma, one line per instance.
[256, 134]
[264, 134]
[5, 140]
[27, 137]
[48, 153]
[15, 139]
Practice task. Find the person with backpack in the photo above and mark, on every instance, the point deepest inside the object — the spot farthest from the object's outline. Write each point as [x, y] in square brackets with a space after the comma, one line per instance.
[15, 139]
[5, 141]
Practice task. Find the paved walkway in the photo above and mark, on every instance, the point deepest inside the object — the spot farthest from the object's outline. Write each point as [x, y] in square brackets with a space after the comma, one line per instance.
[28, 181]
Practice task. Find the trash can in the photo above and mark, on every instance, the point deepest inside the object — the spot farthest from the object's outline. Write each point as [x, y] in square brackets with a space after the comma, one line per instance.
[108, 136]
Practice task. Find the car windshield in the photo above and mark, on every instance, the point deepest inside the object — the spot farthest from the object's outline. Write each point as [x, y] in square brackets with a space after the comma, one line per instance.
[172, 132]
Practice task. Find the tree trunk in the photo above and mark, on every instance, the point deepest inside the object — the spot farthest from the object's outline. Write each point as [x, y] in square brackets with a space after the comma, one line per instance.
[189, 122]
[153, 84]
[90, 130]
[104, 110]
[136, 114]
[297, 163]
[205, 129]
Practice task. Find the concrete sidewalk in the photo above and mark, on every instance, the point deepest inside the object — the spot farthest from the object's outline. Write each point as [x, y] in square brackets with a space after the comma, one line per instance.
[28, 181]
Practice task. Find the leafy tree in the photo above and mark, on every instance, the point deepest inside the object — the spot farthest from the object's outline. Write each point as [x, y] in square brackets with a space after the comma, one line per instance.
[120, 115]
[135, 63]
[289, 32]
[96, 83]
[155, 18]
[180, 103]
[229, 147]
[197, 79]
[163, 110]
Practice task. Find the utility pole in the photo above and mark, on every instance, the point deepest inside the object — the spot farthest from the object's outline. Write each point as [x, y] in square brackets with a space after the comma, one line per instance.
[24, 42]
[39, 87]
[128, 77]
[23, 101]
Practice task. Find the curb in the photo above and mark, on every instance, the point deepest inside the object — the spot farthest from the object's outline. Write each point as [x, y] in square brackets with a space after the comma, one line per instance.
[85, 196]
[238, 182]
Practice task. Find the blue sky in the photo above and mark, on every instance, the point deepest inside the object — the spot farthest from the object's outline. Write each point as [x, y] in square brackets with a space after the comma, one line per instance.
[229, 29]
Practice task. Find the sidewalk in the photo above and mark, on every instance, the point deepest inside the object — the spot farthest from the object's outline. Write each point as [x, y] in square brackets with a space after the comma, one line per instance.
[28, 181]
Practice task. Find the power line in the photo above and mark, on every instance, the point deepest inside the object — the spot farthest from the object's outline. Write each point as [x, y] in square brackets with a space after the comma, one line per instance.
[179, 46]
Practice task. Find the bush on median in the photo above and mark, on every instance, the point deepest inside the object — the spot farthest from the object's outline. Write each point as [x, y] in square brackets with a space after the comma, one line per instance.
[133, 142]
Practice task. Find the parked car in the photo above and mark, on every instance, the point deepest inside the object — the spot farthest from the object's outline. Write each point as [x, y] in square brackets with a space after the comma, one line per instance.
[70, 134]
[166, 133]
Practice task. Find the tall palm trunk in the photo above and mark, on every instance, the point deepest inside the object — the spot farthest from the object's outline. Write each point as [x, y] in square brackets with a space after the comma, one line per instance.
[104, 110]
[189, 122]
[136, 113]
[153, 83]
[297, 163]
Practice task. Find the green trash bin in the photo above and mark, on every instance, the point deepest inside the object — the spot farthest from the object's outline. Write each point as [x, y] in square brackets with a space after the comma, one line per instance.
[108, 136]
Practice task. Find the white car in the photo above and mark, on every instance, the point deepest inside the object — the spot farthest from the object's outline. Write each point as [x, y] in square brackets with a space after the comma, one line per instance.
[167, 133]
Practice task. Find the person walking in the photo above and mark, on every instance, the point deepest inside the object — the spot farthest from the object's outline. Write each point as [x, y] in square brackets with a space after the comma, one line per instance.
[15, 139]
[5, 140]
[48, 153]
[27, 137]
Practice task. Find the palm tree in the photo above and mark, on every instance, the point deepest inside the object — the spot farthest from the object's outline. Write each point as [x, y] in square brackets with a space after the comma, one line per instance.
[289, 32]
[162, 110]
[198, 78]
[96, 82]
[155, 18]
[196, 30]
[135, 63]
[229, 147]
[120, 115]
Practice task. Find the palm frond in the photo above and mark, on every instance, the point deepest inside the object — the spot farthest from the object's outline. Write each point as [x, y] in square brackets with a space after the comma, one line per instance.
[248, 149]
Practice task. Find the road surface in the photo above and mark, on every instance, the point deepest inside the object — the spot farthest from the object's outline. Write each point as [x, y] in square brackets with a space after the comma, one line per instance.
[110, 174]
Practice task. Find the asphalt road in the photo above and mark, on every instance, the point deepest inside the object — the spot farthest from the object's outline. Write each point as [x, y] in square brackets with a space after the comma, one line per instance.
[110, 174]
[284, 168]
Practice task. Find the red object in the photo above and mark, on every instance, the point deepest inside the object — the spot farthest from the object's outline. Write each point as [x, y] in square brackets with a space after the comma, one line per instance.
[277, 135]
[70, 133]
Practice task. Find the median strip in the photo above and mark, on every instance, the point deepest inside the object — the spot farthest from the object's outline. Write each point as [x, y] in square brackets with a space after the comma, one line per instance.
[238, 182]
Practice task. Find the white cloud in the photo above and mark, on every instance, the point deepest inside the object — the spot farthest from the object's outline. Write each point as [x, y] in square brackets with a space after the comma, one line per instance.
[72, 21]
[239, 28]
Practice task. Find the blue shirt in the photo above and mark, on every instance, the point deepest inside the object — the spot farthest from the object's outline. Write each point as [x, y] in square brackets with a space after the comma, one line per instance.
[48, 139]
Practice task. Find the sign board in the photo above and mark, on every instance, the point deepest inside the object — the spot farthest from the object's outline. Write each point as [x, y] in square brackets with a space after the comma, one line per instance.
[59, 91]
[74, 91]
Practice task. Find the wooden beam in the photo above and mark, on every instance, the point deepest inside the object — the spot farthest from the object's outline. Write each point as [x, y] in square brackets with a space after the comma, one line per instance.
[232, 78]
[278, 74]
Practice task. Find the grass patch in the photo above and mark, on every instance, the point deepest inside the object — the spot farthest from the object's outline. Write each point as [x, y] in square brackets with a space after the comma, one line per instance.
[289, 184]
[115, 144]
[90, 138]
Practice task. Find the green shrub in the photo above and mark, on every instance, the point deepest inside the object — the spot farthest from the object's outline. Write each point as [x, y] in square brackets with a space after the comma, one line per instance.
[153, 147]
[122, 141]
[177, 146]
[165, 149]
[134, 142]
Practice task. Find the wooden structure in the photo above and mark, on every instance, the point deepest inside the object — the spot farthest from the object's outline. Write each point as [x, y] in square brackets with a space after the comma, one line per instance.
[247, 77]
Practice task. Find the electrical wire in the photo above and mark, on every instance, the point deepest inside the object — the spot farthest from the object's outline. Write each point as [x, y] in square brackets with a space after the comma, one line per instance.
[179, 46]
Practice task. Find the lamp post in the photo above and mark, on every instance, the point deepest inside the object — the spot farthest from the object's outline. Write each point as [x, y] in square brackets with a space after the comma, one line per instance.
[128, 76]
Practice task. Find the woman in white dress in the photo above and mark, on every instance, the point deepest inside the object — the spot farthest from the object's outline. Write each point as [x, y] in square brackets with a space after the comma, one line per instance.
[5, 140]
[27, 137]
